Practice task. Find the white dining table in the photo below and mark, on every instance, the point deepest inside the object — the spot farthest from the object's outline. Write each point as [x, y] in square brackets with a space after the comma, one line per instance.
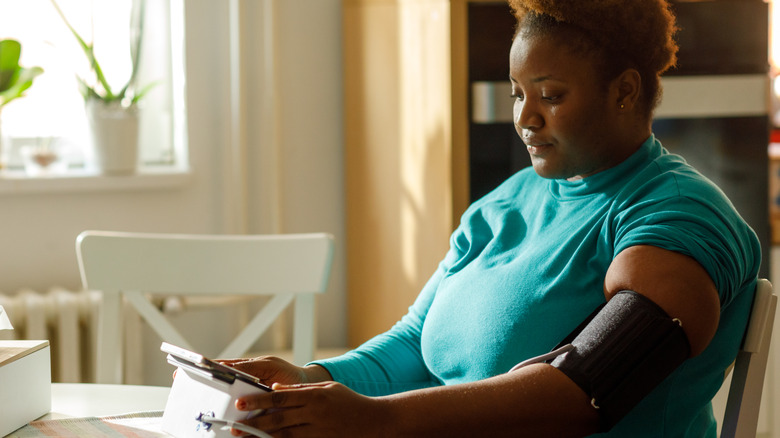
[100, 400]
[86, 409]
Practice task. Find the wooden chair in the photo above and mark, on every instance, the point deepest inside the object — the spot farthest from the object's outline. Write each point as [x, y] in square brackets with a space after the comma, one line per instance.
[287, 268]
[744, 397]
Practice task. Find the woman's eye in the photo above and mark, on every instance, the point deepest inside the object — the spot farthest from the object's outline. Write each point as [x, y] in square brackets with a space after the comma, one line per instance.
[517, 96]
[551, 98]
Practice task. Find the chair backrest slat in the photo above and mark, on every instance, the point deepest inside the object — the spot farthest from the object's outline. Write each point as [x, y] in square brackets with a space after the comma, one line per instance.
[204, 264]
[747, 382]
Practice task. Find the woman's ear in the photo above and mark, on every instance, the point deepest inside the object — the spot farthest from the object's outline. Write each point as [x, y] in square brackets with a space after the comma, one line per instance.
[627, 88]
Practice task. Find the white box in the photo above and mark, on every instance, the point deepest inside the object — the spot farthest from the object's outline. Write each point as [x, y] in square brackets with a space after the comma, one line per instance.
[194, 394]
[25, 383]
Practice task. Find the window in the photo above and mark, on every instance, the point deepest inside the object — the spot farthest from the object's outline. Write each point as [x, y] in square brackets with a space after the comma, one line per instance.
[52, 112]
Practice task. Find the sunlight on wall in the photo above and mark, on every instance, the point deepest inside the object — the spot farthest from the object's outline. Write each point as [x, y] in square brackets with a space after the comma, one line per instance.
[425, 176]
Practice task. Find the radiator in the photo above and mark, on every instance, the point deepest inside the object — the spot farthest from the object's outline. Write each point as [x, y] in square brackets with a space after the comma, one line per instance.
[66, 318]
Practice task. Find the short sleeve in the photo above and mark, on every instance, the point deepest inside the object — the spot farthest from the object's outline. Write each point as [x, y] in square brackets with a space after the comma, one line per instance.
[713, 235]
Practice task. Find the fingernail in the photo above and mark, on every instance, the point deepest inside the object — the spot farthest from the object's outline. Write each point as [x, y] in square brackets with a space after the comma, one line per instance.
[240, 405]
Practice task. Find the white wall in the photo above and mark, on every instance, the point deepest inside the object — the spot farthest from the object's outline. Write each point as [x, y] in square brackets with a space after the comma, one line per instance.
[38, 230]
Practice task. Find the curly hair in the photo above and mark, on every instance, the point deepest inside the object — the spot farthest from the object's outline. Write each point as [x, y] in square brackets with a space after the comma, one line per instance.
[623, 34]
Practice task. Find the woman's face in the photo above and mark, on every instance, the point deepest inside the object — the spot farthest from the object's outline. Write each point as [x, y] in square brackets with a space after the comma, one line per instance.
[562, 111]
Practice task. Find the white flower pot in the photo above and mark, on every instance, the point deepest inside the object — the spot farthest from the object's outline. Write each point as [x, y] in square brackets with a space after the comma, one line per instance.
[114, 131]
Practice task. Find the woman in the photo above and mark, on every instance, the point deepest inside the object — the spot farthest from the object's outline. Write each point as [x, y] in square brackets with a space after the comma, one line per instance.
[604, 209]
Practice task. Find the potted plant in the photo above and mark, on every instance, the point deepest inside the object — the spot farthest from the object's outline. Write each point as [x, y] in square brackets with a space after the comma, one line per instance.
[113, 116]
[14, 79]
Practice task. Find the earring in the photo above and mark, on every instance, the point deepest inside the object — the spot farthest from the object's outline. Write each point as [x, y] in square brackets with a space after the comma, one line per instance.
[622, 106]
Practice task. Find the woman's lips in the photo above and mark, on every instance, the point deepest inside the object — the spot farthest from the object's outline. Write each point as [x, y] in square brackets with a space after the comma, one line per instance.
[537, 148]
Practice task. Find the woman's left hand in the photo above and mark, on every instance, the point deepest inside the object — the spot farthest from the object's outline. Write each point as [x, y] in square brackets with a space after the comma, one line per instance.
[326, 409]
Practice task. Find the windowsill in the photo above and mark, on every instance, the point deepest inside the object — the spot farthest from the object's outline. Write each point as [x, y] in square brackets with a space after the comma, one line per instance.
[13, 182]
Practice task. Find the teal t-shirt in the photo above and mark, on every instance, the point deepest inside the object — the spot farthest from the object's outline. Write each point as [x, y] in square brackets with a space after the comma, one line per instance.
[527, 265]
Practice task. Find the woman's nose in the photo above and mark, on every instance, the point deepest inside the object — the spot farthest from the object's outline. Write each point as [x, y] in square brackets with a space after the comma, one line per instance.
[526, 117]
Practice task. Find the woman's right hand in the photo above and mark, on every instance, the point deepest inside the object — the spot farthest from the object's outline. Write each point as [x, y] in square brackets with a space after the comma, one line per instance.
[270, 370]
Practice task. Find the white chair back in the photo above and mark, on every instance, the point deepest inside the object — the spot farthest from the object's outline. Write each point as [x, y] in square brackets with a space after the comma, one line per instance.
[747, 382]
[286, 267]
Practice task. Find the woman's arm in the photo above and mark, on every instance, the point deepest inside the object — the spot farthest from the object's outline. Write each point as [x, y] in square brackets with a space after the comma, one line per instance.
[676, 282]
[537, 400]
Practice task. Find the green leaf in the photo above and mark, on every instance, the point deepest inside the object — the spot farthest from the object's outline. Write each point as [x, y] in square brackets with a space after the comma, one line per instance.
[14, 79]
[10, 51]
[17, 89]
[143, 91]
[106, 94]
[89, 51]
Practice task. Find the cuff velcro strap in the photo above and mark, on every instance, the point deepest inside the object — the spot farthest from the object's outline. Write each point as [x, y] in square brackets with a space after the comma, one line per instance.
[622, 353]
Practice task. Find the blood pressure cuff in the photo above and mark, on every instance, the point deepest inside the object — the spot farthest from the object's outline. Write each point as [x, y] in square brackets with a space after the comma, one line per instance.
[622, 352]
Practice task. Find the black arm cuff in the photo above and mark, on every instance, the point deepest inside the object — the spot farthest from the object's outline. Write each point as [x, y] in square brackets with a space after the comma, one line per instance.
[622, 352]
